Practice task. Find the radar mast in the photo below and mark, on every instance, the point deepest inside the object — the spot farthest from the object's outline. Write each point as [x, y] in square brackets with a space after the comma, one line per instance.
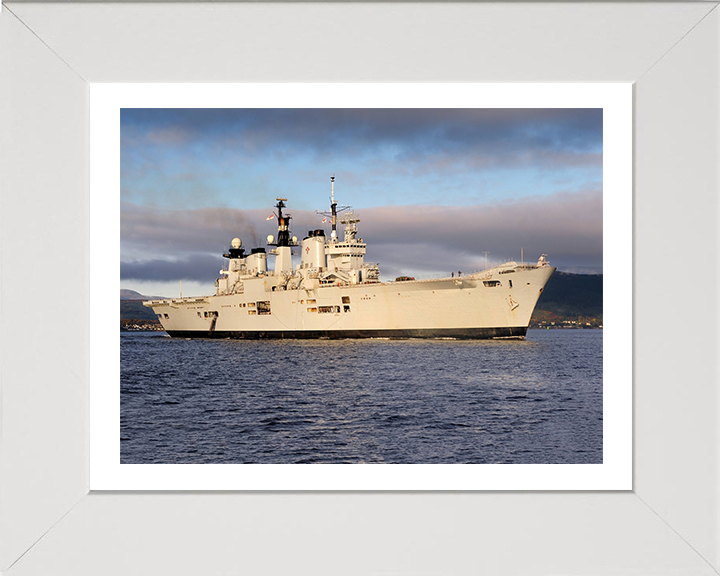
[334, 211]
[283, 237]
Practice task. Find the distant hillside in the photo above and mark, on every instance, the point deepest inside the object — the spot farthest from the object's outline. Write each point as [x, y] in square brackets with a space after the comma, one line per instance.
[573, 295]
[132, 295]
[134, 310]
[131, 307]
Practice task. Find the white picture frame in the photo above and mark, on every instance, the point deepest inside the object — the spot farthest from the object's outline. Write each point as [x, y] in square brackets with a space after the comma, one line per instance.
[668, 523]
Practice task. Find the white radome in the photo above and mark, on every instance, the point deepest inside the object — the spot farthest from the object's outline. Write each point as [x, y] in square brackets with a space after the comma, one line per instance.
[236, 243]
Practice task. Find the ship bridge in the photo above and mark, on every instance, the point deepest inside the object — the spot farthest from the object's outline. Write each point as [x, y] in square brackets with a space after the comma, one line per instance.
[350, 253]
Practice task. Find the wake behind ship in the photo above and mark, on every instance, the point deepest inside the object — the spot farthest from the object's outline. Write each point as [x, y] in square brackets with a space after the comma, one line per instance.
[334, 293]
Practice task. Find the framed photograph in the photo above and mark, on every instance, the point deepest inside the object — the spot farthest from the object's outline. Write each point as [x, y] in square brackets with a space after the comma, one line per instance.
[590, 147]
[64, 513]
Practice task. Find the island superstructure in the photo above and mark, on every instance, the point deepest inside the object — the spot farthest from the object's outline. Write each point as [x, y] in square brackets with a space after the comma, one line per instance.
[333, 293]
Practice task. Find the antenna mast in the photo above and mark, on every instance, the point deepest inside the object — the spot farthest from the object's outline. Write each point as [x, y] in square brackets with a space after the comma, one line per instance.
[334, 210]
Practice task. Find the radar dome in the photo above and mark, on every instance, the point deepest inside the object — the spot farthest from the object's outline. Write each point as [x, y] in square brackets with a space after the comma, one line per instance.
[270, 239]
[236, 243]
[294, 239]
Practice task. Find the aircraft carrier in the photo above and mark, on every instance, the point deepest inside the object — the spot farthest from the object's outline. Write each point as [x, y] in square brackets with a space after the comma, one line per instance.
[334, 293]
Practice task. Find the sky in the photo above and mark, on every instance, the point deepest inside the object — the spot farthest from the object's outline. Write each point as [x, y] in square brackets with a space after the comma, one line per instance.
[435, 189]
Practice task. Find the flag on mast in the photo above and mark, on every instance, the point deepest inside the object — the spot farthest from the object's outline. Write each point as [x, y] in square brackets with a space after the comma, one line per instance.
[270, 217]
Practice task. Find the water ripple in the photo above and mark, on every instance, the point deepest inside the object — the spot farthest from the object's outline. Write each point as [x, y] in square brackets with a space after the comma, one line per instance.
[366, 401]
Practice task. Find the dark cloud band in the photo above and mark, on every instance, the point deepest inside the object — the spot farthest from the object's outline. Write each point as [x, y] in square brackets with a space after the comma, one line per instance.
[420, 239]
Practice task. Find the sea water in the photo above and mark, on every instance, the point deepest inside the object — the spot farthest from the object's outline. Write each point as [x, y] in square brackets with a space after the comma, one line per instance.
[537, 400]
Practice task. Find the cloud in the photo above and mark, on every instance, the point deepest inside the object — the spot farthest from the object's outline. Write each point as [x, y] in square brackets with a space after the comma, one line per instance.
[168, 136]
[198, 267]
[168, 232]
[430, 181]
[199, 158]
[568, 227]
[404, 135]
[329, 126]
[187, 244]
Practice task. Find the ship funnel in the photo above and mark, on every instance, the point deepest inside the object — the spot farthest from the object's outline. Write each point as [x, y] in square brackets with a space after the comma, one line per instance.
[313, 252]
[257, 261]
